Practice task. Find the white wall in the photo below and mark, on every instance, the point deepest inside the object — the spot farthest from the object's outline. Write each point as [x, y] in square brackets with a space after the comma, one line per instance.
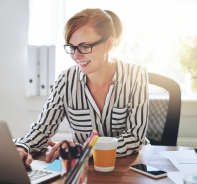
[18, 110]
[13, 54]
[15, 107]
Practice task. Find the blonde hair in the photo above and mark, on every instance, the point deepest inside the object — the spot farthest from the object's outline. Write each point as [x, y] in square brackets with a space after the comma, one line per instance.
[105, 22]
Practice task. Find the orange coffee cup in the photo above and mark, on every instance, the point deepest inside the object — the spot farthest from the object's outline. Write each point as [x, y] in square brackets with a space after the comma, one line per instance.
[104, 154]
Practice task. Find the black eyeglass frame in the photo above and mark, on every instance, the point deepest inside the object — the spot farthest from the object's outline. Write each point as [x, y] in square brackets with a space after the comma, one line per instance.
[91, 45]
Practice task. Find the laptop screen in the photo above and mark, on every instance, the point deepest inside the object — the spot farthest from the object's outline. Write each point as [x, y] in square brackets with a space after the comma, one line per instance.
[12, 169]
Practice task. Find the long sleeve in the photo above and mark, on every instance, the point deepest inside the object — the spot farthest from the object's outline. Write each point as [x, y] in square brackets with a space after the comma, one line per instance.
[52, 114]
[124, 115]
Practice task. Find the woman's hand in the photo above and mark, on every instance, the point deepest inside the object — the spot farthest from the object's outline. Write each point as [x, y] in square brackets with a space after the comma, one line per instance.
[54, 151]
[26, 157]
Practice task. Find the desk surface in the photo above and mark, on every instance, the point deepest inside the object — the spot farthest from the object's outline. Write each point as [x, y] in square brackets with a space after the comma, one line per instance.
[122, 174]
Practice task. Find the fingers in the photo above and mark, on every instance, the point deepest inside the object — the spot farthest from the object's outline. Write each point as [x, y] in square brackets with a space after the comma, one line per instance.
[27, 158]
[51, 143]
[53, 153]
[50, 157]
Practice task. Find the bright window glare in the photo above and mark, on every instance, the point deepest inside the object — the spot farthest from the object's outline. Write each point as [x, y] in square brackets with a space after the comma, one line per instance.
[152, 30]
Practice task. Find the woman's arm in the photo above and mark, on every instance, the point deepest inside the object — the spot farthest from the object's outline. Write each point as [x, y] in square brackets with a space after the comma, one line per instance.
[48, 121]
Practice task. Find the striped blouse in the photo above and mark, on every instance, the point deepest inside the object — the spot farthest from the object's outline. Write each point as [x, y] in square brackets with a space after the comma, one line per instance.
[125, 112]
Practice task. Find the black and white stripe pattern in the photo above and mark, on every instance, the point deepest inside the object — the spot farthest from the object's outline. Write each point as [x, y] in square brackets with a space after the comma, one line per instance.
[124, 115]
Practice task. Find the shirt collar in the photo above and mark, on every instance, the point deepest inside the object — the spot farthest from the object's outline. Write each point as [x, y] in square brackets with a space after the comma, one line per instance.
[117, 76]
[82, 76]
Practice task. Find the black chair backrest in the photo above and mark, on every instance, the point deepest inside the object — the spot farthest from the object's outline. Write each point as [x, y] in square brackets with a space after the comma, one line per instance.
[164, 110]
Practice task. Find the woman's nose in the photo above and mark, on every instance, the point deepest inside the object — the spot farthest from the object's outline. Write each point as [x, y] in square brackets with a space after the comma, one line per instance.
[77, 55]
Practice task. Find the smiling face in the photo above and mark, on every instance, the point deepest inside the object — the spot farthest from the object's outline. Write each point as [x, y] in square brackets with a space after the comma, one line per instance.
[94, 61]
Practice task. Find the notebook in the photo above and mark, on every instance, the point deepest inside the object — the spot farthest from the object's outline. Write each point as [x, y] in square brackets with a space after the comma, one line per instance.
[12, 169]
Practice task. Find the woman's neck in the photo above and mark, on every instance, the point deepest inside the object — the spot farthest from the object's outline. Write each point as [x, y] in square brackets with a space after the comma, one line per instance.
[104, 76]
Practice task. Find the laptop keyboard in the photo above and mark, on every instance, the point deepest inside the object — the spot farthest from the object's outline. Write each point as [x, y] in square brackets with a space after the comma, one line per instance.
[36, 174]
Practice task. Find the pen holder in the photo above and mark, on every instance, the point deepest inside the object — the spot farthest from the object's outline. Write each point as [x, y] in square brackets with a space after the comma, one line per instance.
[74, 163]
[80, 176]
[76, 171]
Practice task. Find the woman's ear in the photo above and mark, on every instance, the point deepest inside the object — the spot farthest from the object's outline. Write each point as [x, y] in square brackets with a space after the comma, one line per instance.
[110, 44]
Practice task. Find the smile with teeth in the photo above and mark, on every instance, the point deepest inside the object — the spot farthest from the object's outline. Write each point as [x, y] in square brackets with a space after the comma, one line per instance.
[84, 63]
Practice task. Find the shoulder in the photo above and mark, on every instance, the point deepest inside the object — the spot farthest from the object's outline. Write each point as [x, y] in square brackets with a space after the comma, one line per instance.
[65, 78]
[129, 67]
[69, 73]
[69, 70]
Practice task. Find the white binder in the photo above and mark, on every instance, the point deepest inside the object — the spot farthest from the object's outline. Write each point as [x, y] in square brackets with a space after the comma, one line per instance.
[32, 71]
[43, 70]
[51, 67]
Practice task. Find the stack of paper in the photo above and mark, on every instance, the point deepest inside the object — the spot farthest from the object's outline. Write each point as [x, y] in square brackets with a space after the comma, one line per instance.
[185, 161]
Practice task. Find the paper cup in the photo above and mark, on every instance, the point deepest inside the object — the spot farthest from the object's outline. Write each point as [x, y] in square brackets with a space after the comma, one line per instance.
[104, 154]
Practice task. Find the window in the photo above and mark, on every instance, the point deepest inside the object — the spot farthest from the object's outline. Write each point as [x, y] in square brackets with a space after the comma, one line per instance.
[153, 32]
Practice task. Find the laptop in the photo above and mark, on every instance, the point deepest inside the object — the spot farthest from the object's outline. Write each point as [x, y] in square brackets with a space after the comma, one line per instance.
[12, 169]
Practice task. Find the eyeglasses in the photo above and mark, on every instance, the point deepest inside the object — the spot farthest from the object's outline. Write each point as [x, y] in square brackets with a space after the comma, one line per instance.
[83, 48]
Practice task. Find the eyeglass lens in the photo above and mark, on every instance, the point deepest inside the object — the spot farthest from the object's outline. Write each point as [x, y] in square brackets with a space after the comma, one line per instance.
[82, 48]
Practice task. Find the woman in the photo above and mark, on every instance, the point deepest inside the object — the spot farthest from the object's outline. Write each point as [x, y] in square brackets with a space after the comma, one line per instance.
[98, 93]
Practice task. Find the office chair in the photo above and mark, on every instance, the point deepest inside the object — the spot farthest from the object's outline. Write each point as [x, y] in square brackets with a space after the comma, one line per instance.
[164, 110]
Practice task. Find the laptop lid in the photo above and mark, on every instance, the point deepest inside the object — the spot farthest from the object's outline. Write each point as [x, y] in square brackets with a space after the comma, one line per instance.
[12, 169]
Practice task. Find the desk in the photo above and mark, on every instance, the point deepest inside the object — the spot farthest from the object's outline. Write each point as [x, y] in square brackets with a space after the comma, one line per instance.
[122, 174]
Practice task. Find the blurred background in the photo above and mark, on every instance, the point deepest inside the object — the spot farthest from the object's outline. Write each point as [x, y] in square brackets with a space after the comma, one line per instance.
[161, 35]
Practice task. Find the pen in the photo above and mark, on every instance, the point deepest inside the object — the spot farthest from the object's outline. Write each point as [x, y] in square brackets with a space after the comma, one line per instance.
[94, 133]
